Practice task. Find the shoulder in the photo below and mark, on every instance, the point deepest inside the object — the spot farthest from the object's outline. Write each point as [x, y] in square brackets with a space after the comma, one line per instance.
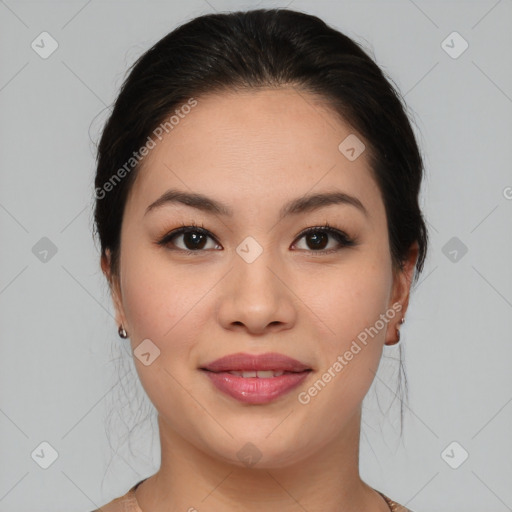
[393, 505]
[125, 503]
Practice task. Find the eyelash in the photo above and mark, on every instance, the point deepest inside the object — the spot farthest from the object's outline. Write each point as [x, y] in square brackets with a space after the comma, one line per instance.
[342, 238]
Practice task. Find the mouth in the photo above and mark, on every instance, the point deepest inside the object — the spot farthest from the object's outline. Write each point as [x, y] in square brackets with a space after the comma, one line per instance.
[256, 379]
[271, 361]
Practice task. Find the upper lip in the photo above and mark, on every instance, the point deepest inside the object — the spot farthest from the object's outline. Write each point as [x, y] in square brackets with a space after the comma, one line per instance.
[253, 362]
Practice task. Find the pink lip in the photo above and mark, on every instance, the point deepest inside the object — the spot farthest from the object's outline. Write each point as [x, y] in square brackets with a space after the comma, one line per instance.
[256, 390]
[246, 362]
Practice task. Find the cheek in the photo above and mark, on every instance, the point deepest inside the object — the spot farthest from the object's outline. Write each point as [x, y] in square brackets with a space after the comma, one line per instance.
[351, 303]
[161, 303]
[152, 296]
[164, 307]
[351, 297]
[147, 304]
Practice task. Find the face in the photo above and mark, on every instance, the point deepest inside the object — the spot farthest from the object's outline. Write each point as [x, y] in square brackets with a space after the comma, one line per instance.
[249, 280]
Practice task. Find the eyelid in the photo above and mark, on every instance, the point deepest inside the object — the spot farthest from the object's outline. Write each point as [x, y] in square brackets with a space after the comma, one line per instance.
[183, 229]
[327, 228]
[341, 236]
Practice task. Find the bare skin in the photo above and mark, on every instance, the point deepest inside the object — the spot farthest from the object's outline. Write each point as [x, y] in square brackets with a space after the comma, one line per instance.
[254, 151]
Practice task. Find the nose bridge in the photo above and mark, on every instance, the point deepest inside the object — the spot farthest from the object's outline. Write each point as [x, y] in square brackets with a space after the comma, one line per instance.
[253, 263]
[255, 296]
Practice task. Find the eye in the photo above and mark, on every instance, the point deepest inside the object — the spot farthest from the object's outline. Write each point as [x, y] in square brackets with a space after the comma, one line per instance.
[193, 239]
[318, 239]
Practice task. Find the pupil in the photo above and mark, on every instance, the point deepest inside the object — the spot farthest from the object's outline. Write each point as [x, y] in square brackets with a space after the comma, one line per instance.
[194, 238]
[316, 238]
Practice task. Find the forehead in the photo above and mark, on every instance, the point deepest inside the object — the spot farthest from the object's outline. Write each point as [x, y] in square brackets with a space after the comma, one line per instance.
[266, 145]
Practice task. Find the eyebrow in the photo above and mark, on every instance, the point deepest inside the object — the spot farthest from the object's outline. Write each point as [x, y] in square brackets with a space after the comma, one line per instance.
[296, 206]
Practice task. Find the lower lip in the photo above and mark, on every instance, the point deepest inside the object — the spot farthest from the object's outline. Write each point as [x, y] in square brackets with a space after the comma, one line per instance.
[255, 390]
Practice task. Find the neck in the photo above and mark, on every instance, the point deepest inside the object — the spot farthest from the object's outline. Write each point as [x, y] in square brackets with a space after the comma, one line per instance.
[191, 480]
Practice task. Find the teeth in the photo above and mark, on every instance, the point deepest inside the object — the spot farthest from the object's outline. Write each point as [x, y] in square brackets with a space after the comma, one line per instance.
[263, 374]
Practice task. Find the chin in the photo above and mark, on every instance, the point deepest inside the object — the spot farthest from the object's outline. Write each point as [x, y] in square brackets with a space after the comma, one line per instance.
[262, 453]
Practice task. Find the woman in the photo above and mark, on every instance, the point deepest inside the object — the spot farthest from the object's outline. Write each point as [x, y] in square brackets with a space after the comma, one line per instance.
[257, 208]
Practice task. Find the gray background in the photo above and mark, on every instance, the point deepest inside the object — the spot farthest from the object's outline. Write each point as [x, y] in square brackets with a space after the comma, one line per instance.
[63, 368]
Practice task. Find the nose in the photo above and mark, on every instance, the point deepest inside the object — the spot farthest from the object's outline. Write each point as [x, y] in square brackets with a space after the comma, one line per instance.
[257, 297]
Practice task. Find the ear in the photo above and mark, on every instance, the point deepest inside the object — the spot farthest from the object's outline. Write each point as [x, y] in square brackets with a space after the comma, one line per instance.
[402, 280]
[115, 288]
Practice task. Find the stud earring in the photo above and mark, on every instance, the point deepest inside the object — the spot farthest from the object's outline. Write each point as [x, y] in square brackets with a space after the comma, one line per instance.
[397, 334]
[122, 332]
